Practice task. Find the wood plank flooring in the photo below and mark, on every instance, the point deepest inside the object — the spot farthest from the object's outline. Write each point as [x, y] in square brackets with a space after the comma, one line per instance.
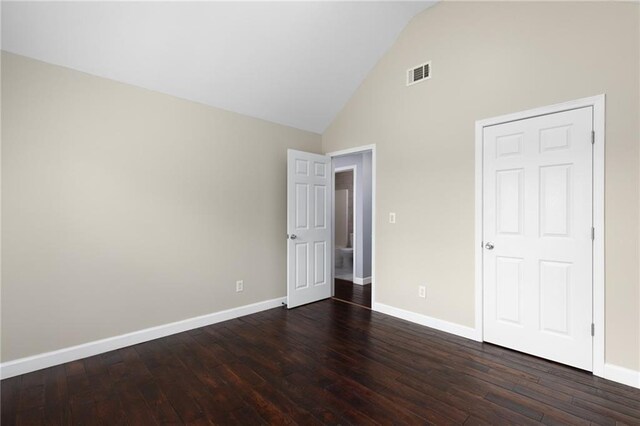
[324, 363]
[353, 293]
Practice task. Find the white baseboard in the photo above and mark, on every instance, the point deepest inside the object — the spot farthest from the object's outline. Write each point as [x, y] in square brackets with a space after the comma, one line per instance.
[362, 281]
[20, 366]
[623, 375]
[612, 372]
[49, 359]
[438, 324]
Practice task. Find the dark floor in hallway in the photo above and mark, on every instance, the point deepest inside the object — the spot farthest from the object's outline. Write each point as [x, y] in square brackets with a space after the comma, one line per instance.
[353, 293]
[324, 363]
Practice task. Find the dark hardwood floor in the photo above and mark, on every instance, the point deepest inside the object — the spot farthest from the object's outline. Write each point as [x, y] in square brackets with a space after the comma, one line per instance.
[328, 362]
[353, 293]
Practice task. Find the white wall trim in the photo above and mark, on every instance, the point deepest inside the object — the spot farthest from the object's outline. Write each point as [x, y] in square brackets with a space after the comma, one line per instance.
[49, 359]
[615, 373]
[355, 150]
[435, 323]
[623, 375]
[598, 104]
[362, 281]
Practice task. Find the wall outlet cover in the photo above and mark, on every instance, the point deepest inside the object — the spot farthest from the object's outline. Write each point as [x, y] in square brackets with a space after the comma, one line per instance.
[422, 291]
[239, 286]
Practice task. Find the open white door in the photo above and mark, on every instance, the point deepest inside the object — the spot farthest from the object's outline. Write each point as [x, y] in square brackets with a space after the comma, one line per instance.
[308, 228]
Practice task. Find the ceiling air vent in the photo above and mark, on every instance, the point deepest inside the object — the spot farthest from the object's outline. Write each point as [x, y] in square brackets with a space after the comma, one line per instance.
[419, 73]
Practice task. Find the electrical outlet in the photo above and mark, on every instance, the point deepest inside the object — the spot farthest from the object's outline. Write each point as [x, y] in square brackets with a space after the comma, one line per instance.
[239, 286]
[422, 291]
[392, 218]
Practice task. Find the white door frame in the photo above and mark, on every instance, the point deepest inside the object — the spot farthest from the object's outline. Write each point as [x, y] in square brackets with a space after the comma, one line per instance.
[354, 219]
[598, 104]
[358, 150]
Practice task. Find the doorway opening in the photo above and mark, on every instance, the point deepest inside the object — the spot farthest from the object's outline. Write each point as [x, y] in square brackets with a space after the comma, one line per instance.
[352, 227]
[344, 219]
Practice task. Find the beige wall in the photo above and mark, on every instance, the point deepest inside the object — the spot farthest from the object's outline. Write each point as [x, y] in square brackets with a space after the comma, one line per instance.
[491, 59]
[124, 209]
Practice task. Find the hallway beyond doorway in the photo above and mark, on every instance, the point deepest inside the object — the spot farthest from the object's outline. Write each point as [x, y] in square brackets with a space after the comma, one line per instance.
[356, 294]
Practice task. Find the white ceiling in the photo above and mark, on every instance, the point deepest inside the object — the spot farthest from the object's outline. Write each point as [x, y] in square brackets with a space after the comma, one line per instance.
[294, 63]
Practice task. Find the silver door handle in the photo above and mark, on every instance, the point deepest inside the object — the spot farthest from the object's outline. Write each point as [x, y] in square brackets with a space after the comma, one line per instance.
[489, 246]
[293, 236]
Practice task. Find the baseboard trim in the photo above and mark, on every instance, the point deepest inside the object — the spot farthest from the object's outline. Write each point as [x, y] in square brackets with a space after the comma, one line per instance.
[623, 375]
[49, 359]
[362, 281]
[611, 372]
[25, 365]
[438, 324]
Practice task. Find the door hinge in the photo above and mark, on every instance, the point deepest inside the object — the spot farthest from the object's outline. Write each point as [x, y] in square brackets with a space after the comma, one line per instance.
[593, 329]
[593, 137]
[593, 233]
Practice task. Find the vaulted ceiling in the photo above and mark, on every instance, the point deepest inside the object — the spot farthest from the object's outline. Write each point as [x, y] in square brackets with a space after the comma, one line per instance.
[293, 63]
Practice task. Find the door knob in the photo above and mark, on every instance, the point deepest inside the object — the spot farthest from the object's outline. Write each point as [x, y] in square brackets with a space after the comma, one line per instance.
[489, 246]
[293, 236]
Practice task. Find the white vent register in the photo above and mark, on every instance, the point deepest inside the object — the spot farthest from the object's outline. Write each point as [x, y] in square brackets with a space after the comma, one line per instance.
[419, 73]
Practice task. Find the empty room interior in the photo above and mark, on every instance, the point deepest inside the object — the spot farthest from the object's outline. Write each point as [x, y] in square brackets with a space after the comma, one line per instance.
[320, 212]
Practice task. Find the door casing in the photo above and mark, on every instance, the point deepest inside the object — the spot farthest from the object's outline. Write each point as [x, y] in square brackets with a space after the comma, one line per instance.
[598, 104]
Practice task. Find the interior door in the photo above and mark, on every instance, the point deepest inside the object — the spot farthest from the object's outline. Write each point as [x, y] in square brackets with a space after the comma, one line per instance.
[537, 236]
[309, 241]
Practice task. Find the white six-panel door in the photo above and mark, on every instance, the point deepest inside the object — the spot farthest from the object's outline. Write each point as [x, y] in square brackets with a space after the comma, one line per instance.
[309, 244]
[537, 236]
